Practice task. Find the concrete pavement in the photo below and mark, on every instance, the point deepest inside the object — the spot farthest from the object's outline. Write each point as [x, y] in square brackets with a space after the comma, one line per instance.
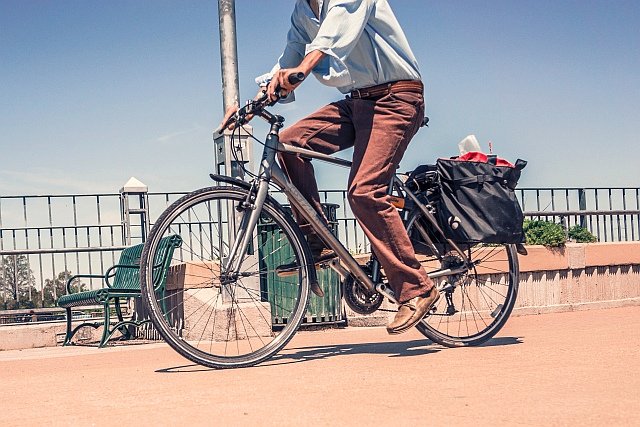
[553, 369]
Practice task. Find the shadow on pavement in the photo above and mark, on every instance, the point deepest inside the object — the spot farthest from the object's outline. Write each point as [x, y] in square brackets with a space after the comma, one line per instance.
[494, 342]
[112, 343]
[303, 354]
[392, 349]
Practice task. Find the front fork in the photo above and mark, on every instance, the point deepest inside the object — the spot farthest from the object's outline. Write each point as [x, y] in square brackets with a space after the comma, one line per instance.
[250, 210]
[253, 203]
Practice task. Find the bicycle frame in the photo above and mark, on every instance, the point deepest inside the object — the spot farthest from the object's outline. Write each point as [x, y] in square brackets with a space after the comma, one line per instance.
[270, 171]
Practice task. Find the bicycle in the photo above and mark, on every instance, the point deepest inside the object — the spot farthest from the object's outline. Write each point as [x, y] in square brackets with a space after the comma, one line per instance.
[223, 306]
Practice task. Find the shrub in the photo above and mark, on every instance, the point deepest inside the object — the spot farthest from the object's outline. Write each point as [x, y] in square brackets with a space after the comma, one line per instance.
[581, 235]
[538, 232]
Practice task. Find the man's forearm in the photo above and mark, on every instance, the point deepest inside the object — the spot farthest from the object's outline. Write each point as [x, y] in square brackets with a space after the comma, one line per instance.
[311, 60]
[280, 81]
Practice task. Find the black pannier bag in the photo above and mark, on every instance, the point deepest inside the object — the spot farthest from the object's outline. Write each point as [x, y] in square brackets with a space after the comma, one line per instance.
[477, 201]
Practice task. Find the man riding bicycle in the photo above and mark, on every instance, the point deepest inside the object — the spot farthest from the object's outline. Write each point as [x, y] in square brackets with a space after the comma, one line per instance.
[359, 47]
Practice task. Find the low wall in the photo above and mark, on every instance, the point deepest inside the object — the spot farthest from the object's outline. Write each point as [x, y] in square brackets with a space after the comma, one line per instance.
[576, 277]
[579, 276]
[45, 334]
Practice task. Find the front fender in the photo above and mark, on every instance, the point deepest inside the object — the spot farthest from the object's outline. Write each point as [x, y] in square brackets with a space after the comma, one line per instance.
[229, 180]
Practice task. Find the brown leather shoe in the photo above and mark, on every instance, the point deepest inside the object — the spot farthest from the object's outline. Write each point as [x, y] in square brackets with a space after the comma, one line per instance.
[412, 311]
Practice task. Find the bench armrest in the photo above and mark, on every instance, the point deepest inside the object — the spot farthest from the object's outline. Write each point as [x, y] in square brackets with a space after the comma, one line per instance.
[86, 276]
[111, 272]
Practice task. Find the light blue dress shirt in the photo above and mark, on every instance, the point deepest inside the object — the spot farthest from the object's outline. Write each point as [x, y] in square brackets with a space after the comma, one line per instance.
[362, 39]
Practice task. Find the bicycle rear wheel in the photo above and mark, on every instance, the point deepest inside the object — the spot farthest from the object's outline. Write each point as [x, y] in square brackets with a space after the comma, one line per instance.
[474, 305]
[217, 319]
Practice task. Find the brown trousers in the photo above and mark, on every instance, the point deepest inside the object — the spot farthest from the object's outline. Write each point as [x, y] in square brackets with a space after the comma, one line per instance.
[379, 130]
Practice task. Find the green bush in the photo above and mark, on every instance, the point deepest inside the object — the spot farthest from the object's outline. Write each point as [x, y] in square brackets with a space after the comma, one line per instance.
[581, 235]
[545, 233]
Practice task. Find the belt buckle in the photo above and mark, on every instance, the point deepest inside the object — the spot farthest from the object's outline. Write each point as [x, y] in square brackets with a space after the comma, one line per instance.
[358, 94]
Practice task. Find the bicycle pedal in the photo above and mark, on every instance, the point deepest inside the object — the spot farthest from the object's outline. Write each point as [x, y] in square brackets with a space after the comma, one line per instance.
[446, 286]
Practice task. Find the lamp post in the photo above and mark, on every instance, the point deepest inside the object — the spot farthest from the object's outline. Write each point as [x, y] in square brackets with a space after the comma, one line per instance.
[229, 62]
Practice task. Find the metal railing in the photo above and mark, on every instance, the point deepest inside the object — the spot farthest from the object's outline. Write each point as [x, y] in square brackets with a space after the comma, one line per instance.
[48, 315]
[85, 233]
[57, 234]
[610, 214]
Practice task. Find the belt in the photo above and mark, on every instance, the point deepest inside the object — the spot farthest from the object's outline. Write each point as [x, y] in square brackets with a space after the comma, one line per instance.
[379, 91]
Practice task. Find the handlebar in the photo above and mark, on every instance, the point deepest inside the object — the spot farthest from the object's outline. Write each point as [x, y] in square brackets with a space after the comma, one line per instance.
[253, 107]
[296, 78]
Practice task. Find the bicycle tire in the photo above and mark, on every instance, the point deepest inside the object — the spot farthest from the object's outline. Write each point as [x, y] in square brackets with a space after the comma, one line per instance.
[228, 323]
[481, 300]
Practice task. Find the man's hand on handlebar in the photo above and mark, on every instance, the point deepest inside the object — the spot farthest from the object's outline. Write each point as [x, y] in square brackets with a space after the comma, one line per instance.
[284, 81]
[227, 116]
[230, 124]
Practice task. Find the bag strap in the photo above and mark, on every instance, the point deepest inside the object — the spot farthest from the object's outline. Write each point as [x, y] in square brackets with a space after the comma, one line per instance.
[480, 180]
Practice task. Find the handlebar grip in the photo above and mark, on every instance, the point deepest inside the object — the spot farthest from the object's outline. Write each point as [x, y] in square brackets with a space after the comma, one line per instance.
[296, 78]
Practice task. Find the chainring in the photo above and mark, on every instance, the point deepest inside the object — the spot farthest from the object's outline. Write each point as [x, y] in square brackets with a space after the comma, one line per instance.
[358, 299]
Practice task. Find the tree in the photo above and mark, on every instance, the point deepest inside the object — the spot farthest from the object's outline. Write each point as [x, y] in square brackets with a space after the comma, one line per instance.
[54, 288]
[17, 282]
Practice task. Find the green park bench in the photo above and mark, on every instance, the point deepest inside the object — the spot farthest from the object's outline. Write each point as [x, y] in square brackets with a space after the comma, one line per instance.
[122, 281]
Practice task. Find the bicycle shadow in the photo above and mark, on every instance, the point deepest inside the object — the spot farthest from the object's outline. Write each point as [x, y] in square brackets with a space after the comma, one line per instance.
[501, 341]
[412, 348]
[419, 347]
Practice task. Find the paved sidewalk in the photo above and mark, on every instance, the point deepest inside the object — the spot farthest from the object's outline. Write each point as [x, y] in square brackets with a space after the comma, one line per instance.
[555, 369]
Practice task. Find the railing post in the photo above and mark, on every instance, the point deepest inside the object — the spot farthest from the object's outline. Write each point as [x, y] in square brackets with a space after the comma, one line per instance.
[582, 205]
[133, 191]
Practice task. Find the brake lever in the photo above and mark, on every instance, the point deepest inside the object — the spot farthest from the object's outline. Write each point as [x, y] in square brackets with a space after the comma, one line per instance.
[226, 124]
[237, 117]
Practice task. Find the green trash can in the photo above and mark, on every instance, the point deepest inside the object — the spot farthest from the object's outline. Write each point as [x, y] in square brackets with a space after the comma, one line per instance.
[272, 253]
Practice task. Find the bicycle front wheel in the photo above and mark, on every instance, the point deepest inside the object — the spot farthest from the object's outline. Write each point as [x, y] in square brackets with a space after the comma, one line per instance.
[211, 316]
[473, 305]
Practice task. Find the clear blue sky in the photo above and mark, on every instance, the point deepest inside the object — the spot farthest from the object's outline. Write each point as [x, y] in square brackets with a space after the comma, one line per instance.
[93, 92]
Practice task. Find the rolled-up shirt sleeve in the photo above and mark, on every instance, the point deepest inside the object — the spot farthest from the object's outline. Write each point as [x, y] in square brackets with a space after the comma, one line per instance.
[338, 35]
[290, 58]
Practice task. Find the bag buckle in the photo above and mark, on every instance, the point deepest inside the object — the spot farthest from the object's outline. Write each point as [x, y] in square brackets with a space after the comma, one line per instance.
[481, 180]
